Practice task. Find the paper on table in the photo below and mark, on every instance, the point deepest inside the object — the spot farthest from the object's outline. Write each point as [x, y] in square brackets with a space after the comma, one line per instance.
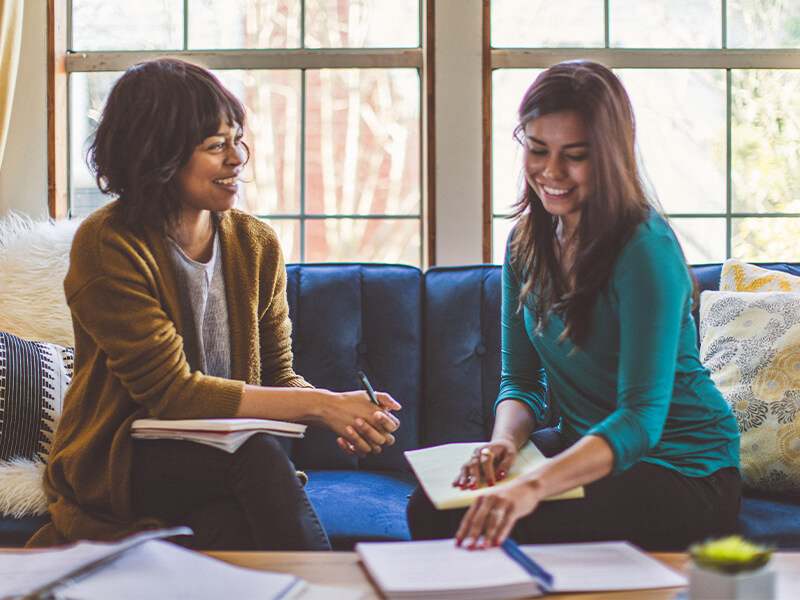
[439, 569]
[602, 566]
[40, 573]
[169, 572]
[153, 569]
[438, 466]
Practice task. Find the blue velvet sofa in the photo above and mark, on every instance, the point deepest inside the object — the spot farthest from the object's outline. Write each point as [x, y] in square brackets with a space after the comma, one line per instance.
[432, 340]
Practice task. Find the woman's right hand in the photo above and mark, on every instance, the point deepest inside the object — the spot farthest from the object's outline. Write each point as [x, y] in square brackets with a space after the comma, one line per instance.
[361, 426]
[489, 463]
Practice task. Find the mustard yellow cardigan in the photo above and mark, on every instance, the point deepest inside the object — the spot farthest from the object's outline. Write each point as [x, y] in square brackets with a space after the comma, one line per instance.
[129, 360]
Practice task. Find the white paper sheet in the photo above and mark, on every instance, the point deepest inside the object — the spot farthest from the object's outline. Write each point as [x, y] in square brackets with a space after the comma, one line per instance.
[153, 569]
[602, 566]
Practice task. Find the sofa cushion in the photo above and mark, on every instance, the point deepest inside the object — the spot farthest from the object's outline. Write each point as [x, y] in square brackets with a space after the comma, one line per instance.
[462, 353]
[355, 317]
[33, 379]
[751, 344]
[743, 277]
[708, 277]
[15, 532]
[772, 519]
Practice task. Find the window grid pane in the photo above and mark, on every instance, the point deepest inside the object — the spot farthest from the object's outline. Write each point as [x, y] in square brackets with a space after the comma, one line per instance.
[657, 24]
[244, 24]
[713, 142]
[765, 116]
[98, 25]
[547, 24]
[373, 134]
[763, 24]
[375, 24]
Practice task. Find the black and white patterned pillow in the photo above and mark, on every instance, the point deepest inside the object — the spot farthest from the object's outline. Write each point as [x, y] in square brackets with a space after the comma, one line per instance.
[33, 379]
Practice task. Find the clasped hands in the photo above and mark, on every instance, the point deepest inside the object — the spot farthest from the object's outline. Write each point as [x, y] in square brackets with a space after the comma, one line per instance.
[364, 428]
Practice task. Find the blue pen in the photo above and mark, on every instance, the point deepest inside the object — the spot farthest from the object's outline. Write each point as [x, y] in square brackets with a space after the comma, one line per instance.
[542, 577]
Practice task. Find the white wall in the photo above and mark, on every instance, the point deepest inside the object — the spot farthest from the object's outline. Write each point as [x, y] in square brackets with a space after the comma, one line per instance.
[23, 173]
[458, 87]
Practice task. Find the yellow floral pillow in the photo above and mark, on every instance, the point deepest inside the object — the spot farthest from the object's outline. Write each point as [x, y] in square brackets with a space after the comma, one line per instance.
[743, 277]
[750, 341]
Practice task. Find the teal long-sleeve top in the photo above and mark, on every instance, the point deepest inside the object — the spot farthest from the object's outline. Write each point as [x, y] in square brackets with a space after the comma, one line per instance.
[638, 381]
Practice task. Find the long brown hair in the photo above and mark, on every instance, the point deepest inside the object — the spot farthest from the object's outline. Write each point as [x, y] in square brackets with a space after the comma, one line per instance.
[616, 205]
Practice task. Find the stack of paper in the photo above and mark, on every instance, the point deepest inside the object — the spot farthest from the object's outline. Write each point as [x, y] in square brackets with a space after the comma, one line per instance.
[438, 466]
[225, 434]
[139, 567]
[438, 569]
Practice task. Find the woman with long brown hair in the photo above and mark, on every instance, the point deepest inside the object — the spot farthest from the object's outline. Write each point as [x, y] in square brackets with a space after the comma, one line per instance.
[597, 323]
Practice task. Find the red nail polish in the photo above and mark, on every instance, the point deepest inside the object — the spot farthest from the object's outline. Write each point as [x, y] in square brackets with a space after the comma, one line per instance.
[490, 481]
[500, 474]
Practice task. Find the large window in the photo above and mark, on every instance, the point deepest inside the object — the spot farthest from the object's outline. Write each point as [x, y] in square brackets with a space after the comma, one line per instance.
[716, 94]
[340, 96]
[333, 91]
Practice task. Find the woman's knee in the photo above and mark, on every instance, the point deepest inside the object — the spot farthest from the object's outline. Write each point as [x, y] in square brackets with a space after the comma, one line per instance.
[426, 522]
[264, 452]
[262, 466]
[220, 525]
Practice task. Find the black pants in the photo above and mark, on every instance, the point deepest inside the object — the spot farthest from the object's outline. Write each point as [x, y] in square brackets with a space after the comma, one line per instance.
[249, 500]
[654, 507]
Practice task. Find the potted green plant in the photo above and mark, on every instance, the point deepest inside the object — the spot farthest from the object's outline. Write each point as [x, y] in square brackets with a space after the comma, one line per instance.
[731, 568]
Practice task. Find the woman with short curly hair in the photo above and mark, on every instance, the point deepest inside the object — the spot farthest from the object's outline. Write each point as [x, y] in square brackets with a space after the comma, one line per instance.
[179, 308]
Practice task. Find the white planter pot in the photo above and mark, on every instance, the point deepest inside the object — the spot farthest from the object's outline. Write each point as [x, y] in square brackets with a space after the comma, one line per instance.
[712, 585]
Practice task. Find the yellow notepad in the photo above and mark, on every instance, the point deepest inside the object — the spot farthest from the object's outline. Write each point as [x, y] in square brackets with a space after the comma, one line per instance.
[437, 467]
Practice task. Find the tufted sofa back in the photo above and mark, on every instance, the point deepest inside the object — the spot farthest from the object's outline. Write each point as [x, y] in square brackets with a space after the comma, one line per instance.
[430, 339]
[461, 321]
[350, 318]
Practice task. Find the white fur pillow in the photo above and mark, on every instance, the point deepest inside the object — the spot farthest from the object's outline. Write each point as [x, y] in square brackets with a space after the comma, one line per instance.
[21, 490]
[34, 257]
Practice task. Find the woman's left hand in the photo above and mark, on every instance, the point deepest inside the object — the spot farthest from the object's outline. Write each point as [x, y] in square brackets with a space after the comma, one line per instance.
[490, 519]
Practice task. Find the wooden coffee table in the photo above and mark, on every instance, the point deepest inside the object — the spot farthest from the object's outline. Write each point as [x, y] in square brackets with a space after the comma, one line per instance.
[344, 569]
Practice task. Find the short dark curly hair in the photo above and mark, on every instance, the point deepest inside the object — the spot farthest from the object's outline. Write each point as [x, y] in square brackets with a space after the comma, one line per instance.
[157, 113]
